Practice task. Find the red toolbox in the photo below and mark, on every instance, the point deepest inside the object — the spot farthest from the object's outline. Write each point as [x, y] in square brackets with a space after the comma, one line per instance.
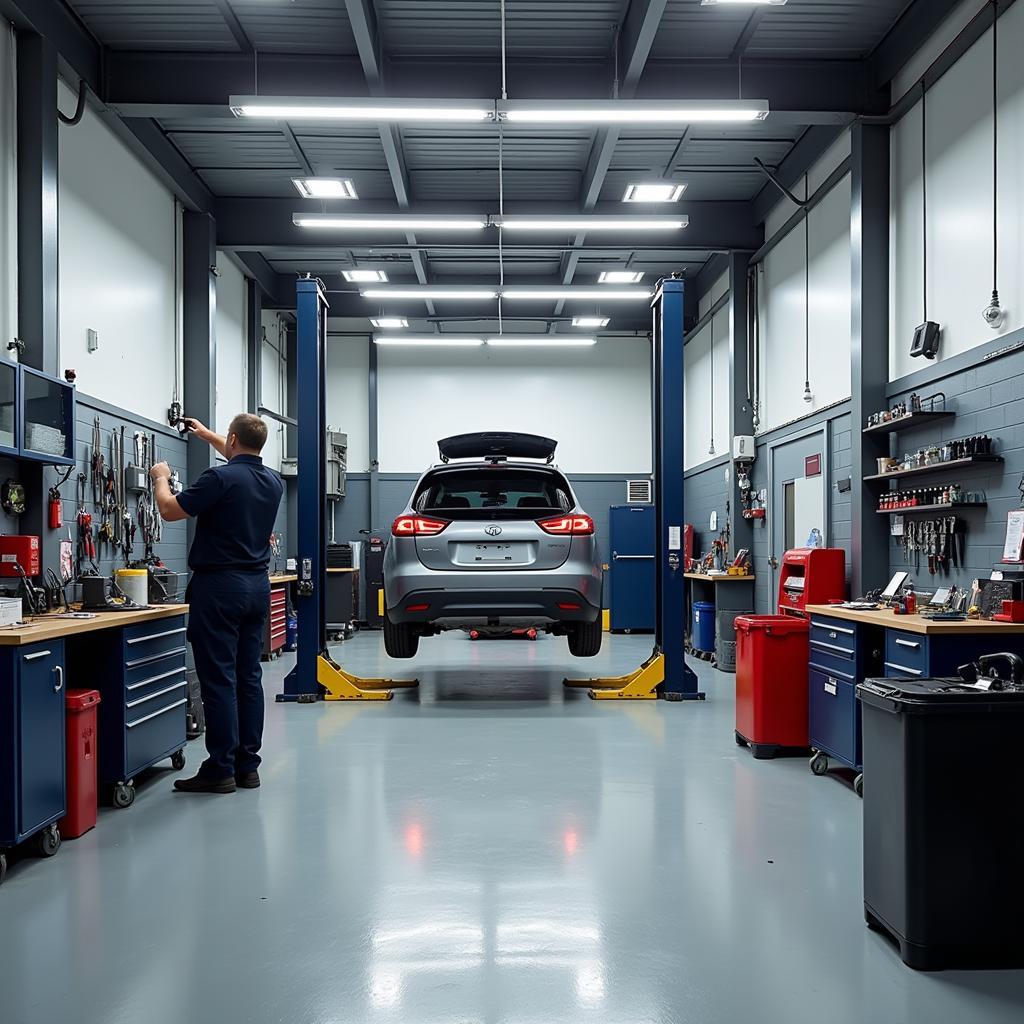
[771, 683]
[81, 763]
[23, 550]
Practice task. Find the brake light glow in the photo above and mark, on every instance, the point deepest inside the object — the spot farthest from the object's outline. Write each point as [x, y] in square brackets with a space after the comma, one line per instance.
[418, 526]
[568, 526]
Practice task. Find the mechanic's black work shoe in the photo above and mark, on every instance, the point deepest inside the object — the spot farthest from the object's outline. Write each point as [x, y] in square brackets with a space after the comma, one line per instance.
[199, 784]
[248, 780]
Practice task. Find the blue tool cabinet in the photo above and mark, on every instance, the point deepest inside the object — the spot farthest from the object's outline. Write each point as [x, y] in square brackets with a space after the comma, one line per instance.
[842, 654]
[32, 786]
[633, 584]
[140, 673]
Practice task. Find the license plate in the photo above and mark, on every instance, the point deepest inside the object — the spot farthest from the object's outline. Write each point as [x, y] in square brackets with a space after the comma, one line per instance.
[494, 552]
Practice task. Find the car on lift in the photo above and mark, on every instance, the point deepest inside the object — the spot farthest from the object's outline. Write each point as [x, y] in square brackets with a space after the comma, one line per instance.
[493, 537]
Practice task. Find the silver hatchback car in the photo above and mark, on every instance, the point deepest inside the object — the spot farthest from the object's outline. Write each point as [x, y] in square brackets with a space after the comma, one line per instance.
[489, 542]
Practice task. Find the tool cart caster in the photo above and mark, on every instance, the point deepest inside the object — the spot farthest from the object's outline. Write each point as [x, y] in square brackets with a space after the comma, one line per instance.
[178, 760]
[123, 795]
[48, 841]
[3, 867]
[858, 785]
[740, 741]
[819, 763]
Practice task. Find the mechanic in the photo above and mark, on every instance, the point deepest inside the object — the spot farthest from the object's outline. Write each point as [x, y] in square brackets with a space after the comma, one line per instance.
[234, 506]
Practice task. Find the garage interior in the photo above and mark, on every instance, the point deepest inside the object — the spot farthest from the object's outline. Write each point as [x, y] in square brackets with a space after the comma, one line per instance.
[755, 266]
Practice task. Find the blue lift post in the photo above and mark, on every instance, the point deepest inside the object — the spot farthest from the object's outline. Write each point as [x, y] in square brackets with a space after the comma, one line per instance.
[666, 671]
[315, 674]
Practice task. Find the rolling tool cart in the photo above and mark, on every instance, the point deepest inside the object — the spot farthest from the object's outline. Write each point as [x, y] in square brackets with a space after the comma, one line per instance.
[32, 784]
[772, 654]
[943, 828]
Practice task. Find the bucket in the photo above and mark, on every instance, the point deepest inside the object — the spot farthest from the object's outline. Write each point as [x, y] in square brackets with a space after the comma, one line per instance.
[134, 584]
[704, 626]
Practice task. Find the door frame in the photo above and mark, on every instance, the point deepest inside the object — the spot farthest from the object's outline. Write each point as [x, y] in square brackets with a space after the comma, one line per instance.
[824, 431]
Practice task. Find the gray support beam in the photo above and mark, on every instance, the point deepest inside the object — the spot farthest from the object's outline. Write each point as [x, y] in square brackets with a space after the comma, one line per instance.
[907, 36]
[741, 407]
[253, 344]
[869, 348]
[199, 287]
[374, 440]
[234, 25]
[278, 289]
[37, 200]
[811, 145]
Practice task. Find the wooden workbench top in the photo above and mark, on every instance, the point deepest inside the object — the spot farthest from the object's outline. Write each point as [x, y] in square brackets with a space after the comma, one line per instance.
[915, 623]
[40, 628]
[718, 578]
[288, 577]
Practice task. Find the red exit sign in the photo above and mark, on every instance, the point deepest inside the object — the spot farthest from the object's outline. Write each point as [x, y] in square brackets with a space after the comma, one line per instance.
[812, 465]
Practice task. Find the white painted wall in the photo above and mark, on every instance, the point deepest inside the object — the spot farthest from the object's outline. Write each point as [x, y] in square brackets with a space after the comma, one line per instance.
[706, 391]
[348, 402]
[782, 314]
[8, 192]
[717, 291]
[232, 370]
[595, 401]
[273, 394]
[959, 181]
[117, 269]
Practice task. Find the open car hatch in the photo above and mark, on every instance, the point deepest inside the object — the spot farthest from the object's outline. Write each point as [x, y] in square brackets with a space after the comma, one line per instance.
[494, 445]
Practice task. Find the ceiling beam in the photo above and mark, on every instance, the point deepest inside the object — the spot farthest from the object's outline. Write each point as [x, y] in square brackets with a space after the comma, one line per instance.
[278, 289]
[234, 25]
[363, 21]
[747, 34]
[906, 37]
[77, 50]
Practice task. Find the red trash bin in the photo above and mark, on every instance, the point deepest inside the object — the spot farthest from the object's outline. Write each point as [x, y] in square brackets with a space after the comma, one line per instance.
[772, 652]
[81, 763]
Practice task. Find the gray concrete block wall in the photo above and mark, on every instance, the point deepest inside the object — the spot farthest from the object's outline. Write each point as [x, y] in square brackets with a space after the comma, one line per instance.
[988, 399]
[841, 507]
[705, 490]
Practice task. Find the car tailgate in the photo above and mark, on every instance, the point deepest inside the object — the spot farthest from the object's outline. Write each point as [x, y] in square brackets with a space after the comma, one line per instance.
[500, 545]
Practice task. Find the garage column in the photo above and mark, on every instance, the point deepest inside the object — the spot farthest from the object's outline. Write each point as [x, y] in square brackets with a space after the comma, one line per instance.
[741, 408]
[869, 345]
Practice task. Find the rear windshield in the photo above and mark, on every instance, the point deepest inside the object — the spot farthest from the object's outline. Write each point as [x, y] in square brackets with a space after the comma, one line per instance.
[479, 492]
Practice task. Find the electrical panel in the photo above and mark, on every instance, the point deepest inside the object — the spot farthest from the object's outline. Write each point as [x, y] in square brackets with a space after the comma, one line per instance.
[336, 445]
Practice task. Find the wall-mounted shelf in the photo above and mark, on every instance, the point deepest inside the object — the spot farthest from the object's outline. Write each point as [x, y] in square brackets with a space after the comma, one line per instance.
[931, 508]
[937, 467]
[917, 419]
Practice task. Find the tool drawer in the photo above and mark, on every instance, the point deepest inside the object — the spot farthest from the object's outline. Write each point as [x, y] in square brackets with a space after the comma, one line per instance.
[833, 715]
[906, 654]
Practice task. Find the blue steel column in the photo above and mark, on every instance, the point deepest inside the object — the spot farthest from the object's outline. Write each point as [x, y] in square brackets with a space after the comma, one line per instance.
[680, 680]
[300, 685]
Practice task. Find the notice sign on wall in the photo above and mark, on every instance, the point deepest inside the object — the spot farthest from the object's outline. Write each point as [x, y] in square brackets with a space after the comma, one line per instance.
[812, 465]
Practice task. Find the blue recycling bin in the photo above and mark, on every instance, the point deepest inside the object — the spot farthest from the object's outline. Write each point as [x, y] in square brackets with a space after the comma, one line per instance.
[704, 626]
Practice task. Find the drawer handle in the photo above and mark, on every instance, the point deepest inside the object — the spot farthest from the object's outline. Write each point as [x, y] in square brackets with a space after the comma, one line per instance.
[834, 629]
[38, 654]
[153, 679]
[903, 668]
[153, 696]
[155, 657]
[156, 714]
[156, 636]
[908, 643]
[832, 672]
[58, 671]
[833, 647]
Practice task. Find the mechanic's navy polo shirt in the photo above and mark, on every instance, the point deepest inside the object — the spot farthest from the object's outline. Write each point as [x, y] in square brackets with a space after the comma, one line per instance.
[235, 507]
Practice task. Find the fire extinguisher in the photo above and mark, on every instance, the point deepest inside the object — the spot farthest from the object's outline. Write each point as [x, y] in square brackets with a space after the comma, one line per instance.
[55, 508]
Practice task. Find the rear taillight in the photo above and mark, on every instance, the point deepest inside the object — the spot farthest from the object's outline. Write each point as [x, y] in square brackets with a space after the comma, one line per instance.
[418, 526]
[562, 526]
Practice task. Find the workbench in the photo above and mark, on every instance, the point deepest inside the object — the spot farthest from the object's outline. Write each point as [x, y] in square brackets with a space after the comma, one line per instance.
[848, 646]
[731, 596]
[137, 662]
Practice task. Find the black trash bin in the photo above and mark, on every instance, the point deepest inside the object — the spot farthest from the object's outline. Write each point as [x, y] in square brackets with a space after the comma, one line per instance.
[944, 821]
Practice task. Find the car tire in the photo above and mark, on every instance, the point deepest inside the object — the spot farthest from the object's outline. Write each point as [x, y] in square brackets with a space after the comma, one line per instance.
[585, 639]
[400, 639]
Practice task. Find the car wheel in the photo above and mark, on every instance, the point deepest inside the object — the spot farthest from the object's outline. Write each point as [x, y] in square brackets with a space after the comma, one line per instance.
[585, 639]
[400, 639]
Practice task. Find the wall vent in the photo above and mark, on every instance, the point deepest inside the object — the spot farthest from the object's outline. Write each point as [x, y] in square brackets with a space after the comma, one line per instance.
[639, 492]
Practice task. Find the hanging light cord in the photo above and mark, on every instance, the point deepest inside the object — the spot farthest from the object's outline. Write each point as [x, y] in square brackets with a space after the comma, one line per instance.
[807, 291]
[711, 450]
[995, 149]
[924, 196]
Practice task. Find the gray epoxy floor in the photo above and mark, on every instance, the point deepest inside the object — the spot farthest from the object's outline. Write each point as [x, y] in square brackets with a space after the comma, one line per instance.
[486, 850]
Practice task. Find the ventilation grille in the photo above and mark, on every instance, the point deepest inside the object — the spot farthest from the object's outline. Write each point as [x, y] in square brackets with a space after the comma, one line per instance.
[638, 492]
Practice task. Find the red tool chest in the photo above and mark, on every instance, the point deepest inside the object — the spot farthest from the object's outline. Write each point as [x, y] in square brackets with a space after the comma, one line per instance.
[277, 621]
[21, 549]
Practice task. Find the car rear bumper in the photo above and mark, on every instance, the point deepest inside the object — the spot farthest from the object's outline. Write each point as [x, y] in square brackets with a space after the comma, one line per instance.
[485, 604]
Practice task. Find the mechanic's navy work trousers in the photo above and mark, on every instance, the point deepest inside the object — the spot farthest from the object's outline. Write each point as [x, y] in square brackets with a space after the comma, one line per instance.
[227, 617]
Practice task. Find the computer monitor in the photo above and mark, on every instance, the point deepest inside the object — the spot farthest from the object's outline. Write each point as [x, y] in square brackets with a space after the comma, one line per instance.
[895, 585]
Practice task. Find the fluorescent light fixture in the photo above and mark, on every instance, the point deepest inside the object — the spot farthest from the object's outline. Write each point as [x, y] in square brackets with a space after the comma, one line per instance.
[318, 108]
[569, 292]
[386, 222]
[590, 321]
[563, 224]
[742, 3]
[540, 341]
[620, 276]
[631, 112]
[426, 291]
[429, 340]
[364, 276]
[655, 192]
[325, 188]
[389, 323]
